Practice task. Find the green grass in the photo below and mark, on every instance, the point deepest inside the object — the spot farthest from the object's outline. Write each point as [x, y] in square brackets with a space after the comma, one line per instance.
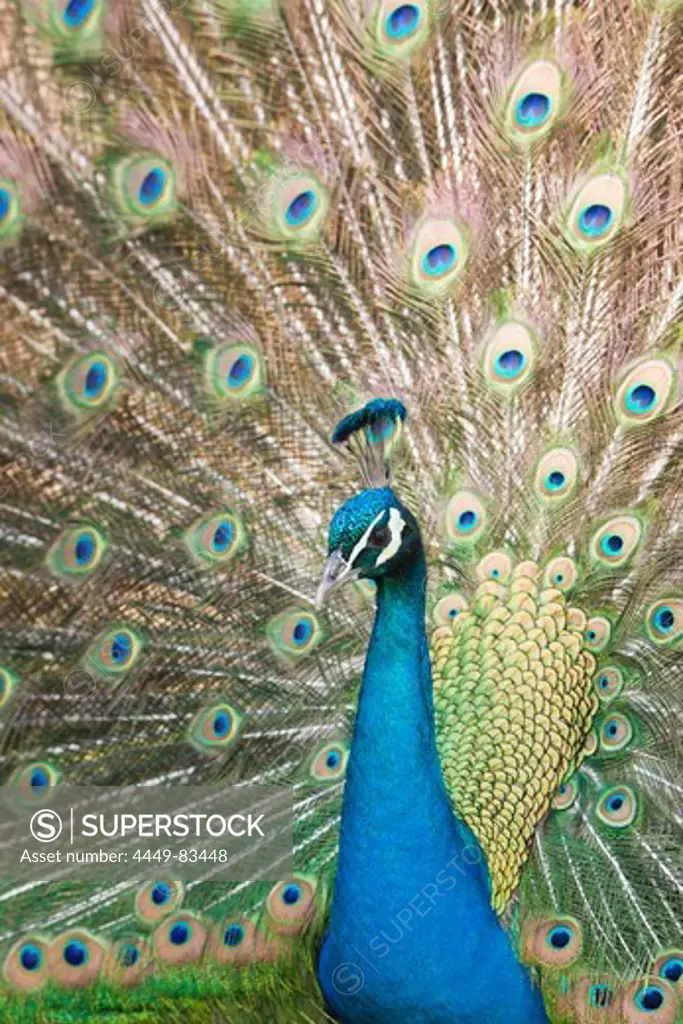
[207, 994]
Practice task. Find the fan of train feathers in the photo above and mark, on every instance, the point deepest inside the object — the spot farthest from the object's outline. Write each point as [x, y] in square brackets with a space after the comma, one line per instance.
[222, 227]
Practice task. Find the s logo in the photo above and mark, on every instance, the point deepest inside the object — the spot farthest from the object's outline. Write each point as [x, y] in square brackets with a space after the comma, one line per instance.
[46, 826]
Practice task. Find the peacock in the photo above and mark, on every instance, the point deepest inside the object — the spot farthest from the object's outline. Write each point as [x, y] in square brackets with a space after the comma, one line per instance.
[341, 451]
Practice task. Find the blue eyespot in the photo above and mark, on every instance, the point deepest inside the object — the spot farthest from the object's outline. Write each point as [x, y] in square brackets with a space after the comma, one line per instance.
[301, 208]
[495, 573]
[595, 220]
[559, 937]
[222, 538]
[612, 544]
[332, 759]
[5, 203]
[403, 22]
[452, 613]
[649, 998]
[302, 632]
[121, 647]
[30, 957]
[96, 379]
[39, 778]
[295, 633]
[129, 955]
[161, 893]
[532, 110]
[603, 682]
[558, 577]
[233, 935]
[87, 381]
[240, 371]
[77, 12]
[221, 724]
[180, 933]
[555, 480]
[612, 728]
[84, 548]
[601, 995]
[640, 398]
[618, 807]
[439, 260]
[467, 520]
[664, 619]
[591, 635]
[291, 895]
[152, 186]
[510, 363]
[565, 797]
[75, 954]
[672, 970]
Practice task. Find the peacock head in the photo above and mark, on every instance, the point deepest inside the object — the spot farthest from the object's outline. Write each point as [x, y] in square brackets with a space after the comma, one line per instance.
[371, 536]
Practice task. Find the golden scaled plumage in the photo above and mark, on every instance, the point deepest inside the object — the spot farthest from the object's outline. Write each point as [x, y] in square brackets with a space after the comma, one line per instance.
[514, 705]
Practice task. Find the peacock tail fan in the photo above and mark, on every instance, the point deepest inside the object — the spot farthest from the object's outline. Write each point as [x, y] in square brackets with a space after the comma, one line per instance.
[226, 227]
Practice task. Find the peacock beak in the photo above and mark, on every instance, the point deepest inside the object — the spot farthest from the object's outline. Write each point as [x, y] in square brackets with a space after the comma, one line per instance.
[337, 571]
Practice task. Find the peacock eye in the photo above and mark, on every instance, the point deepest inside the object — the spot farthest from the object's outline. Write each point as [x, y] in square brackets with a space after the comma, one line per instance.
[144, 187]
[670, 968]
[379, 537]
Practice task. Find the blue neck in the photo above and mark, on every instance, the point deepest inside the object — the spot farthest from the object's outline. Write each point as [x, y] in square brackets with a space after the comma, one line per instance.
[394, 787]
[411, 879]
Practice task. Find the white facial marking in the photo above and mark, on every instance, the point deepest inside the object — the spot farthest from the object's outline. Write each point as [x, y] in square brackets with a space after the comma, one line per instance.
[397, 525]
[360, 546]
